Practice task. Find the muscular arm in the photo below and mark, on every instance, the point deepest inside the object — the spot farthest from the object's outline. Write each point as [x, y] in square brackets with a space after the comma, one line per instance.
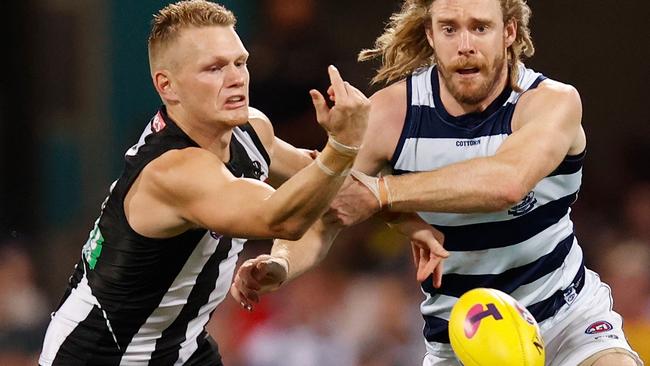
[191, 188]
[547, 125]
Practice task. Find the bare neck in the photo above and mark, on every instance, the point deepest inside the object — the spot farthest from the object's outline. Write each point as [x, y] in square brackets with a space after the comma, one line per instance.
[457, 108]
[212, 136]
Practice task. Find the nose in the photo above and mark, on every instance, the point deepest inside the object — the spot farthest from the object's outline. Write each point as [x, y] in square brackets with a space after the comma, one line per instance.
[235, 76]
[466, 45]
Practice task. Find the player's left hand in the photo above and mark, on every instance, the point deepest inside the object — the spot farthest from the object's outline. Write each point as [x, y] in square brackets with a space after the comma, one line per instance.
[257, 277]
[428, 254]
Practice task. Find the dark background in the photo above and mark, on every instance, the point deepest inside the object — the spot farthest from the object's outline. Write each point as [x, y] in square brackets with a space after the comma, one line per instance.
[75, 94]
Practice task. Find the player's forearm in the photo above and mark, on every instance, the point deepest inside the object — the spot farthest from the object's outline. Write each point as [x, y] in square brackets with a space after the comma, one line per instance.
[305, 197]
[477, 185]
[306, 253]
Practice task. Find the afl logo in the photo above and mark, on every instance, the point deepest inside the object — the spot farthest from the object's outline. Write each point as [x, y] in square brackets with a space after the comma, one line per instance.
[599, 327]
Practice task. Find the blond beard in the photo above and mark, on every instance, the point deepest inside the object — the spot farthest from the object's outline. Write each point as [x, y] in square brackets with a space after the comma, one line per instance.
[483, 91]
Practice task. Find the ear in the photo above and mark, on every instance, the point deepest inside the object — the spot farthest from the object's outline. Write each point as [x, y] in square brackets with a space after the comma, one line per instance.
[510, 32]
[163, 84]
[428, 29]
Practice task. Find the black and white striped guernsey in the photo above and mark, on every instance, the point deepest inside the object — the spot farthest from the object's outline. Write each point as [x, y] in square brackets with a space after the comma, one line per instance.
[528, 250]
[134, 300]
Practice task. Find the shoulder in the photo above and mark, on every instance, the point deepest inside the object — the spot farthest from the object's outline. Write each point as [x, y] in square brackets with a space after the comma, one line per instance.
[387, 116]
[388, 105]
[262, 126]
[550, 93]
[168, 173]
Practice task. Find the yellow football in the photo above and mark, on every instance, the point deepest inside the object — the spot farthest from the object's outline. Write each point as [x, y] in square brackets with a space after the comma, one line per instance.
[488, 327]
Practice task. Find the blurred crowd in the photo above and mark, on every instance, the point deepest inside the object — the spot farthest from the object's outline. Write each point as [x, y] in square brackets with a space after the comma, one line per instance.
[360, 307]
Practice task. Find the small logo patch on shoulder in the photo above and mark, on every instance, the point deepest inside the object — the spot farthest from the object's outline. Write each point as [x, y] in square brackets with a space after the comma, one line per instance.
[600, 326]
[158, 122]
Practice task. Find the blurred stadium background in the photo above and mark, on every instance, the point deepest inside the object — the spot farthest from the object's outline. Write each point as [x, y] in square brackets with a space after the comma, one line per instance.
[75, 94]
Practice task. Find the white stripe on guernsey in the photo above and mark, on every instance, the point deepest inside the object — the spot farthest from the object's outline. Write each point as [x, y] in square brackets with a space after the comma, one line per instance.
[134, 149]
[143, 343]
[252, 151]
[424, 154]
[534, 292]
[73, 311]
[547, 190]
[421, 88]
[526, 78]
[544, 287]
[499, 260]
[196, 325]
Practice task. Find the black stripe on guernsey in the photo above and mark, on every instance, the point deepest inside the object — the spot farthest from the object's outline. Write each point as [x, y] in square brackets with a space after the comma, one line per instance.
[500, 234]
[80, 346]
[168, 345]
[248, 128]
[148, 280]
[435, 329]
[73, 281]
[454, 284]
[571, 164]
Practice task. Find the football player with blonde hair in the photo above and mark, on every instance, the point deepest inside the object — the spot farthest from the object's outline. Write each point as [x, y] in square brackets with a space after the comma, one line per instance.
[161, 255]
[490, 153]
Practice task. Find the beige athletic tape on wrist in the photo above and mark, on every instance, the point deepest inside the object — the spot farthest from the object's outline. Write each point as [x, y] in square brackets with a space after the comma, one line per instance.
[377, 186]
[343, 149]
[329, 171]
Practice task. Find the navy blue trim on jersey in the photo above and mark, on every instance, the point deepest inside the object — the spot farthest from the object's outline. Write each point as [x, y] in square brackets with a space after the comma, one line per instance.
[549, 307]
[571, 164]
[169, 344]
[500, 234]
[436, 329]
[535, 83]
[468, 120]
[454, 284]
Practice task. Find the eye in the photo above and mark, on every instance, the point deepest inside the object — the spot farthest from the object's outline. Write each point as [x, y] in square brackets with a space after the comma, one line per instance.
[447, 29]
[214, 68]
[481, 28]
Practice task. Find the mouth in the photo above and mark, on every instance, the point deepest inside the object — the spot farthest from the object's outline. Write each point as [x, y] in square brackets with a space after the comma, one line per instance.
[235, 102]
[469, 71]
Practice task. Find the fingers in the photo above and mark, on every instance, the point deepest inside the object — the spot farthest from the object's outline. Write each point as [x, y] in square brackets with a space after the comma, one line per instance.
[320, 105]
[337, 81]
[437, 275]
[426, 265]
[415, 251]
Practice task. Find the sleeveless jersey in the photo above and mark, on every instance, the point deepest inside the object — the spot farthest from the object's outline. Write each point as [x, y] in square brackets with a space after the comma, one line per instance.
[134, 300]
[528, 250]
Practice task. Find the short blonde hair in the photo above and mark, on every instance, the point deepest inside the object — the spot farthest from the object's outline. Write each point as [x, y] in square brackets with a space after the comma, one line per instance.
[403, 47]
[170, 20]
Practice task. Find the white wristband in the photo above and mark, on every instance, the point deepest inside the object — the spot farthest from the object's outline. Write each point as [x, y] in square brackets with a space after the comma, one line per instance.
[329, 171]
[343, 149]
[377, 186]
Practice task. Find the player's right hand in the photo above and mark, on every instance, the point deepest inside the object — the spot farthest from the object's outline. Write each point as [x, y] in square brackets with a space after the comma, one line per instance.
[257, 277]
[347, 120]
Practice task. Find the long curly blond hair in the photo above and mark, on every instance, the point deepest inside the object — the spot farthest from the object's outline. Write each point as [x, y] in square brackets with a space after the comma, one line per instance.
[403, 47]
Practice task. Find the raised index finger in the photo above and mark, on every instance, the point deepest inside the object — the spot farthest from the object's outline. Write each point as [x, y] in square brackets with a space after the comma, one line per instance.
[337, 82]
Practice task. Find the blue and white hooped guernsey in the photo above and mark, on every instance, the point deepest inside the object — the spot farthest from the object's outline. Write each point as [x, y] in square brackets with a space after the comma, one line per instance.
[529, 250]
